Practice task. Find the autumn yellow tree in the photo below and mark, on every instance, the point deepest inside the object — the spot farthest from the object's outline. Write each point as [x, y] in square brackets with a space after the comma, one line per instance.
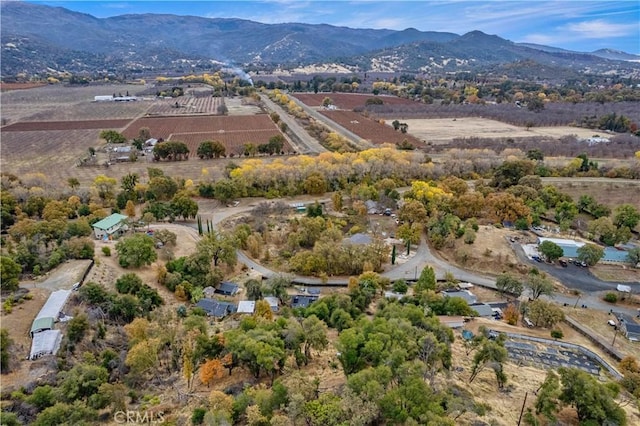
[142, 358]
[263, 310]
[210, 370]
[130, 209]
[504, 206]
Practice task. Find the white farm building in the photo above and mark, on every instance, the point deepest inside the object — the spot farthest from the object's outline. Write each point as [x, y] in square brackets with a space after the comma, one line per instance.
[46, 340]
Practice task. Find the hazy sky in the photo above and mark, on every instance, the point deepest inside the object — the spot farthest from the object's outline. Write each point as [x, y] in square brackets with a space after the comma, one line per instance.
[575, 24]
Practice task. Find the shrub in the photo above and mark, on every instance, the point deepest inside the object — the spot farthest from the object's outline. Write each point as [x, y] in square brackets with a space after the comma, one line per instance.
[610, 297]
[557, 333]
[469, 236]
[197, 418]
[106, 251]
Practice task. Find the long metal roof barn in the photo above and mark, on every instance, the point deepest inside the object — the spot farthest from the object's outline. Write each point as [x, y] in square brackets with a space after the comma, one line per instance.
[54, 304]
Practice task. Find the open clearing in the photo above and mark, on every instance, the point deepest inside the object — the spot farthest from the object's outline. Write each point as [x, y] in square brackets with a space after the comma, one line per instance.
[444, 130]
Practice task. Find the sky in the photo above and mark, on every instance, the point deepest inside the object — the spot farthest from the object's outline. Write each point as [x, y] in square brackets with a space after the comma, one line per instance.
[578, 25]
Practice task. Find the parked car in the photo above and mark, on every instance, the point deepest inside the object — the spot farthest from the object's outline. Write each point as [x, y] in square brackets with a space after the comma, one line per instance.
[537, 258]
[563, 263]
[612, 323]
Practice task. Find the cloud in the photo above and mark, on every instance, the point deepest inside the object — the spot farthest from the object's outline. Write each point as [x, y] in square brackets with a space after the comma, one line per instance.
[599, 28]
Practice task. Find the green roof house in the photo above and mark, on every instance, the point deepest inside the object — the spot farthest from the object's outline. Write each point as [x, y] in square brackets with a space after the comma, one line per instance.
[110, 227]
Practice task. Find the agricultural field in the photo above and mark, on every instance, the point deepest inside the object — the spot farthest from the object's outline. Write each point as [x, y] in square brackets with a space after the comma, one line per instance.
[47, 152]
[185, 105]
[233, 141]
[443, 131]
[60, 103]
[33, 126]
[369, 129]
[166, 126]
[348, 101]
[49, 128]
[5, 87]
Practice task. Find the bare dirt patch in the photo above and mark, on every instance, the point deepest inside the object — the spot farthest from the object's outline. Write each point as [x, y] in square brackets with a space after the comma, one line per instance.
[491, 253]
[443, 131]
[616, 273]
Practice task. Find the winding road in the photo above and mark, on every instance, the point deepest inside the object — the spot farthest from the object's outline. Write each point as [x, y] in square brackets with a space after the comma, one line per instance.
[411, 269]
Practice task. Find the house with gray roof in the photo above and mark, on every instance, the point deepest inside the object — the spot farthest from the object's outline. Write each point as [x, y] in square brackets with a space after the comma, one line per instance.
[483, 310]
[110, 227]
[628, 326]
[302, 301]
[216, 308]
[469, 297]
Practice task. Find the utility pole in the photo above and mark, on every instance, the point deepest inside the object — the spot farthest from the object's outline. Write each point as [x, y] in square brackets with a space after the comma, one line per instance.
[577, 300]
[522, 410]
[614, 337]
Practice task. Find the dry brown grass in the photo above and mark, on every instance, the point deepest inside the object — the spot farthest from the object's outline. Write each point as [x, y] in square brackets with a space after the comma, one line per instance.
[610, 193]
[444, 130]
[491, 252]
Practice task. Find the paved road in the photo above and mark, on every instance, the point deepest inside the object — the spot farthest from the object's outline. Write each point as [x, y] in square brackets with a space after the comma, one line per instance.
[352, 137]
[303, 141]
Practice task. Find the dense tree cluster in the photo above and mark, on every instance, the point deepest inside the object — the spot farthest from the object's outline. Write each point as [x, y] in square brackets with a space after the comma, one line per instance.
[171, 151]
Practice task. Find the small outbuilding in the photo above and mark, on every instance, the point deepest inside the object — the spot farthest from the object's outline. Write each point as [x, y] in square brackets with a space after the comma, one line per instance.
[246, 306]
[111, 226]
[273, 302]
[451, 321]
[209, 292]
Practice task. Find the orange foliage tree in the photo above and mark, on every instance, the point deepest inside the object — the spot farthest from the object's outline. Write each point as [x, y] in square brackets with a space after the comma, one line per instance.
[212, 369]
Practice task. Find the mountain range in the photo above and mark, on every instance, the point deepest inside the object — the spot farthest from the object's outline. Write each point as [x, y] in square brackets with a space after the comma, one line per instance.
[37, 38]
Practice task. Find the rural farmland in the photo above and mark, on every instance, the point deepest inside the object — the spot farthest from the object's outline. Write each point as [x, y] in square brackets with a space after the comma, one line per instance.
[186, 105]
[444, 130]
[369, 129]
[166, 126]
[32, 126]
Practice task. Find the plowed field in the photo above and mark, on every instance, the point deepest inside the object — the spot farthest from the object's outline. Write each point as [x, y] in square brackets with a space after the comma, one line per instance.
[30, 126]
[163, 127]
[347, 101]
[369, 129]
[50, 152]
[186, 105]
